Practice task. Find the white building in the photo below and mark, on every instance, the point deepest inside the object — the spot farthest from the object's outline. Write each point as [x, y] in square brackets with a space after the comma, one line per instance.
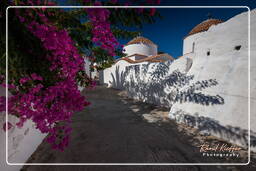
[189, 42]
[216, 62]
[208, 86]
[140, 45]
[139, 50]
[220, 50]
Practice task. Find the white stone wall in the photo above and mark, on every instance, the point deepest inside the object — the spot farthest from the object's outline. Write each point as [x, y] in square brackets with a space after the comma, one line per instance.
[188, 42]
[220, 81]
[138, 80]
[21, 142]
[230, 68]
[142, 49]
[114, 76]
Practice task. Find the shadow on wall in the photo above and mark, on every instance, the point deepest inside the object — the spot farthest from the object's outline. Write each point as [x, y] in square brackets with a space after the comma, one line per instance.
[209, 126]
[189, 95]
[118, 79]
[154, 84]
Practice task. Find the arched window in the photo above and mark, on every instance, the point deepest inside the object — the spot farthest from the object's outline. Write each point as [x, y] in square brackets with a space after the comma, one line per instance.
[193, 47]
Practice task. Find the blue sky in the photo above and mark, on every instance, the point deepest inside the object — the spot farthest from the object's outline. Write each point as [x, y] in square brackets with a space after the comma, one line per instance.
[169, 32]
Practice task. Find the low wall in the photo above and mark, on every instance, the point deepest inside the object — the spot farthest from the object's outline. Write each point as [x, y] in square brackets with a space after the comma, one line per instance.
[21, 142]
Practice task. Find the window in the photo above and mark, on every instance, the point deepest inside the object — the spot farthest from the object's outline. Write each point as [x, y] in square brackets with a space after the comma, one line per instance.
[208, 53]
[193, 47]
[238, 47]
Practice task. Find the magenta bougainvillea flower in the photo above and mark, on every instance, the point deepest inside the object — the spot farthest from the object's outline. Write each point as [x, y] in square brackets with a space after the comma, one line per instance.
[102, 34]
[51, 106]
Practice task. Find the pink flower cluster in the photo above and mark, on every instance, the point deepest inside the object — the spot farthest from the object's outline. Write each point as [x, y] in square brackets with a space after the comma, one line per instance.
[50, 107]
[102, 34]
[34, 76]
[55, 104]
[64, 55]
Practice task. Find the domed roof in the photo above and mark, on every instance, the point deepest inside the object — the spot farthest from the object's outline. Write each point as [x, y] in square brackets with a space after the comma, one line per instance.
[140, 39]
[204, 26]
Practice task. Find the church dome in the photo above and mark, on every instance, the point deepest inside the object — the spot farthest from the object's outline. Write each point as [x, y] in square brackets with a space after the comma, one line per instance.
[204, 26]
[140, 45]
[140, 39]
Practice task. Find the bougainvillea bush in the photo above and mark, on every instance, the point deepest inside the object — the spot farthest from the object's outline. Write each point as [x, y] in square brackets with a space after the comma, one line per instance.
[46, 49]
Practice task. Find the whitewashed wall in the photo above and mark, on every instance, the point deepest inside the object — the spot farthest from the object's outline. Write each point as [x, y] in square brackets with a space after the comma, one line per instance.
[114, 76]
[21, 142]
[220, 81]
[138, 78]
[188, 42]
[142, 49]
[230, 68]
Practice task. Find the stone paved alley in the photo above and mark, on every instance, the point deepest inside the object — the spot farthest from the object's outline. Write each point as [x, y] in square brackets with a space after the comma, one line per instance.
[116, 129]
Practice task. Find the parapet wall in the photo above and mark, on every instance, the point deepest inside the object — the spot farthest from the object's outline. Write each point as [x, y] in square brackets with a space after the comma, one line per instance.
[22, 142]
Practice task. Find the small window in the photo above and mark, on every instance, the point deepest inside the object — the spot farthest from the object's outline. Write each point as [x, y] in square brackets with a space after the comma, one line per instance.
[193, 47]
[208, 53]
[238, 47]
